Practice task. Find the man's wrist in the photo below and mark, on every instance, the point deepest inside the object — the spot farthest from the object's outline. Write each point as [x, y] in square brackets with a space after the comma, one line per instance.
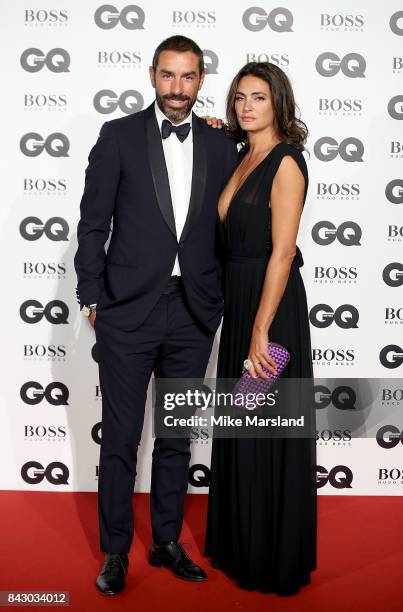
[87, 309]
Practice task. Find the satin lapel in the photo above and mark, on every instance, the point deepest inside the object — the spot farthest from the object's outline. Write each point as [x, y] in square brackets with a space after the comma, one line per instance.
[199, 176]
[158, 169]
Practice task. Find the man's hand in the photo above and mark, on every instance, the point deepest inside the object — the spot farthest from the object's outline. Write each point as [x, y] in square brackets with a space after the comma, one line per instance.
[92, 317]
[213, 121]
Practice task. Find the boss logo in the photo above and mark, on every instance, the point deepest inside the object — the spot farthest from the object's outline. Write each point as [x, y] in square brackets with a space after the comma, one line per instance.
[55, 145]
[348, 233]
[41, 16]
[55, 228]
[393, 274]
[396, 23]
[41, 185]
[205, 103]
[40, 351]
[107, 101]
[338, 356]
[131, 17]
[199, 475]
[336, 105]
[114, 58]
[199, 434]
[389, 436]
[333, 435]
[393, 314]
[395, 107]
[331, 274]
[337, 21]
[345, 316]
[40, 101]
[339, 477]
[279, 59]
[392, 396]
[201, 18]
[56, 393]
[394, 191]
[395, 233]
[332, 190]
[397, 64]
[56, 60]
[396, 148]
[42, 432]
[350, 149]
[352, 65]
[342, 397]
[391, 356]
[210, 61]
[278, 19]
[55, 312]
[56, 473]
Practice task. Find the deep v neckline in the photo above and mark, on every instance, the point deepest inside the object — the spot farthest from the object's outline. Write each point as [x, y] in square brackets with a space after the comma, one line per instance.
[223, 221]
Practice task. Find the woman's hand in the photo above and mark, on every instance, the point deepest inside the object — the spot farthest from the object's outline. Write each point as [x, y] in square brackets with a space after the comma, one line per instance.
[259, 356]
[213, 121]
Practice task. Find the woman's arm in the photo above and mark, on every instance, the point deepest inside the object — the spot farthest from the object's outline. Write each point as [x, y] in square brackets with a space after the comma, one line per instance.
[286, 201]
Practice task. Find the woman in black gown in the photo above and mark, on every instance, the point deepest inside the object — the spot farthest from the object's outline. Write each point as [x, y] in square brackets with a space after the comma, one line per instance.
[261, 523]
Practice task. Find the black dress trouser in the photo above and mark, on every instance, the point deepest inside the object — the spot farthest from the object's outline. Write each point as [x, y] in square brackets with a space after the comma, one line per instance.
[172, 344]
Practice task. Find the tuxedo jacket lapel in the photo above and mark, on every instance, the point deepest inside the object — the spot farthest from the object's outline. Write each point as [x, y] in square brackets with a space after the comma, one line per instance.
[159, 169]
[199, 176]
[160, 174]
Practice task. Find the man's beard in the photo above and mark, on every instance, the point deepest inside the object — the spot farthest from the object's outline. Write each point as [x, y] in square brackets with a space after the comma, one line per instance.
[175, 115]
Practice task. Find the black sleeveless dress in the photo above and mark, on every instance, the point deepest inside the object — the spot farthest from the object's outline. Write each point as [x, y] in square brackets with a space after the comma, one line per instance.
[261, 522]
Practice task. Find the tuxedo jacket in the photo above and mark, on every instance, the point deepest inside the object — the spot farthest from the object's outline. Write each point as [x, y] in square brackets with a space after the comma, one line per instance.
[127, 187]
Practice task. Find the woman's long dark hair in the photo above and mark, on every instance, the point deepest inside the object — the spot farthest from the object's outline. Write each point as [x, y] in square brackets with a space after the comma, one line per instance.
[288, 127]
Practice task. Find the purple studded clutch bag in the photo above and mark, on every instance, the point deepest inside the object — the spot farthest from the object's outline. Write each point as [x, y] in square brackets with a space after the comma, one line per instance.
[247, 384]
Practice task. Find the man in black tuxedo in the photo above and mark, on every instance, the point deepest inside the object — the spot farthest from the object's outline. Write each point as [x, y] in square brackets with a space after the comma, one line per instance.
[155, 298]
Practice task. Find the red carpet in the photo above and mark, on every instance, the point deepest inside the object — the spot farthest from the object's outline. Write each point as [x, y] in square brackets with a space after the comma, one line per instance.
[50, 542]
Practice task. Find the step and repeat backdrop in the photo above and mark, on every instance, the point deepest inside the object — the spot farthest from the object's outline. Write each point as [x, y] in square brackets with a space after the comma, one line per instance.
[68, 67]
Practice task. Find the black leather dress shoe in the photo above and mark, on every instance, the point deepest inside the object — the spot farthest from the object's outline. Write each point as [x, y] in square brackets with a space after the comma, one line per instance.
[173, 555]
[111, 578]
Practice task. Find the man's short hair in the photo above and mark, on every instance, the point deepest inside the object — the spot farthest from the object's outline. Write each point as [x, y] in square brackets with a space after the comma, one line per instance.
[180, 44]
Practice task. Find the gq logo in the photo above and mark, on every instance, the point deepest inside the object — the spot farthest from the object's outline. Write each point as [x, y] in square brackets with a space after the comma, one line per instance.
[210, 61]
[131, 17]
[55, 228]
[342, 397]
[345, 316]
[56, 473]
[279, 19]
[32, 393]
[395, 107]
[338, 482]
[389, 436]
[96, 433]
[393, 23]
[199, 475]
[394, 191]
[352, 65]
[393, 274]
[348, 233]
[55, 145]
[350, 149]
[107, 101]
[56, 60]
[391, 356]
[55, 312]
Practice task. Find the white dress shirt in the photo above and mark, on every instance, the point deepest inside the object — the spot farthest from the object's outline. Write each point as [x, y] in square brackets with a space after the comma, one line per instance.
[179, 162]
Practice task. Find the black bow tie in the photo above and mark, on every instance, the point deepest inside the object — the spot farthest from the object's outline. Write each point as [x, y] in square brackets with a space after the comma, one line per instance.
[182, 131]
